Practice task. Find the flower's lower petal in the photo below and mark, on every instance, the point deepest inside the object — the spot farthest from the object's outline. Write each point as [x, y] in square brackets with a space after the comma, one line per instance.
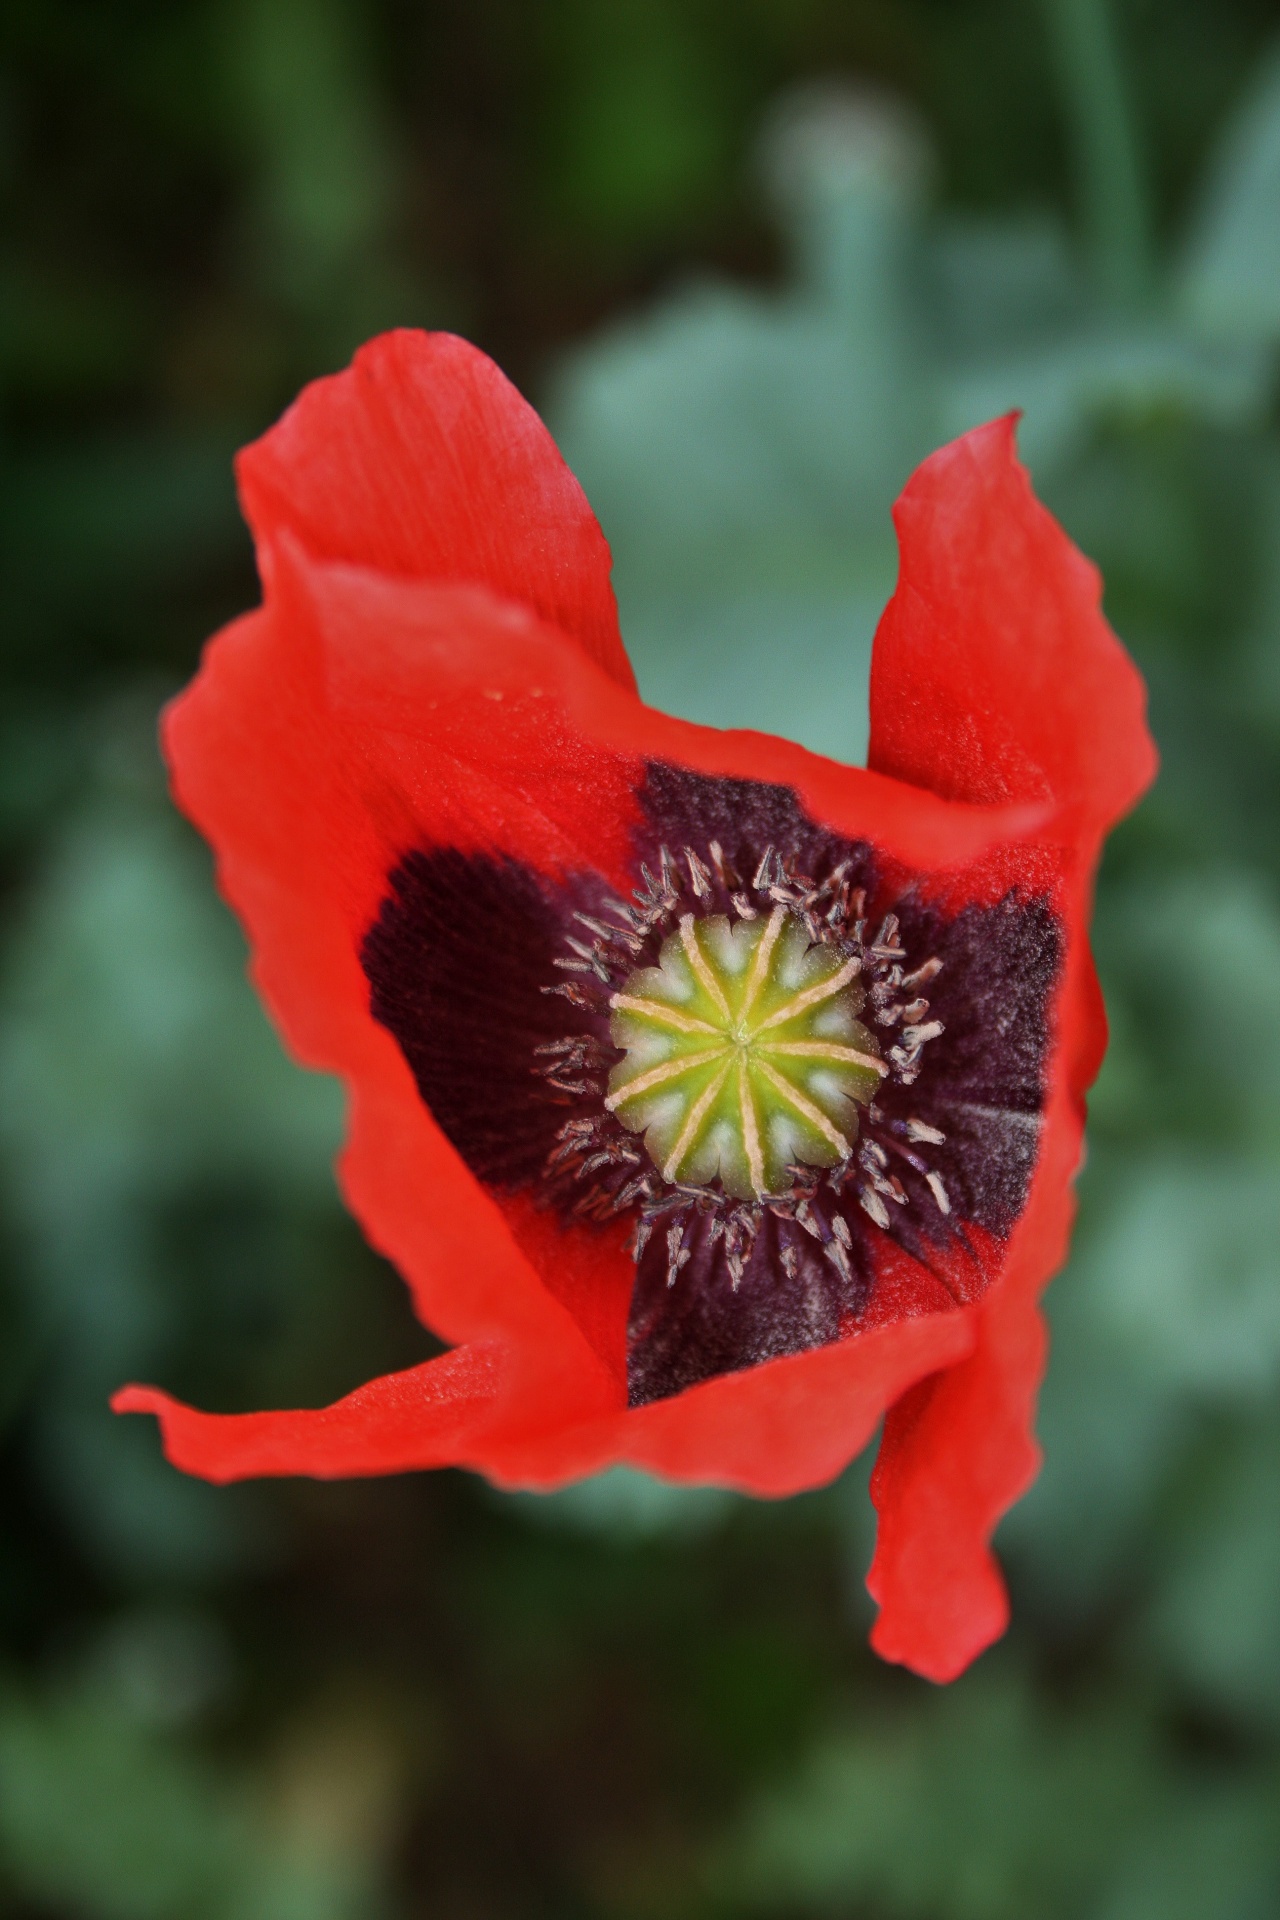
[959, 1449]
[796, 1422]
[427, 1416]
[957, 1452]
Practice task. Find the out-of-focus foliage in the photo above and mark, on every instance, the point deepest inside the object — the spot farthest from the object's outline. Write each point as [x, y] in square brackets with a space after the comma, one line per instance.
[740, 447]
[344, 1703]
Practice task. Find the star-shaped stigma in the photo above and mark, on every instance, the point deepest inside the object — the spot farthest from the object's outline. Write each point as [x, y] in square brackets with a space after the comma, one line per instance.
[744, 1054]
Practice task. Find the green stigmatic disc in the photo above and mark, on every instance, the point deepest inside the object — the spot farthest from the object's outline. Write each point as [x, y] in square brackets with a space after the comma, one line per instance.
[744, 1054]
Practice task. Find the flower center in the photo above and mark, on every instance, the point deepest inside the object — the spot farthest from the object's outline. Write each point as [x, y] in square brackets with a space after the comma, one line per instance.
[744, 1053]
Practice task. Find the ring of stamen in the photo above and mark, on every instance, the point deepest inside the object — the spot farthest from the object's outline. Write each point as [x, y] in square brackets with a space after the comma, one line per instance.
[596, 1152]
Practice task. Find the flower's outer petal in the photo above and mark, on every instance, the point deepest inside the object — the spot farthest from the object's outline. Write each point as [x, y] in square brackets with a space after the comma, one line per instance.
[956, 1453]
[421, 460]
[424, 1417]
[994, 675]
[959, 1449]
[784, 1427]
[307, 811]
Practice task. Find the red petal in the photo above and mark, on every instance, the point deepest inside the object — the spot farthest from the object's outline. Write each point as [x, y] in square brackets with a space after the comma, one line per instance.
[423, 461]
[782, 1428]
[431, 670]
[959, 1449]
[424, 1417]
[309, 808]
[771, 1430]
[994, 675]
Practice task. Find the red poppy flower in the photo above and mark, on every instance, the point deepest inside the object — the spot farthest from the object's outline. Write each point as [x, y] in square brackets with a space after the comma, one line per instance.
[714, 1099]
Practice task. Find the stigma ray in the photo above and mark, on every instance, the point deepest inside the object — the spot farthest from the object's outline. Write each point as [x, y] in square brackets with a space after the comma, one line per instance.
[659, 1077]
[806, 1109]
[813, 996]
[826, 1050]
[659, 1011]
[750, 1129]
[702, 972]
[693, 1122]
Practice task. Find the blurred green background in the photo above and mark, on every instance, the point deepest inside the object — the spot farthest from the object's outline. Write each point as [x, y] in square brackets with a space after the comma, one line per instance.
[753, 260]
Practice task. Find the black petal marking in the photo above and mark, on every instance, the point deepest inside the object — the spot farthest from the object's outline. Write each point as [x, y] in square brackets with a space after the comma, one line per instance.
[456, 962]
[682, 808]
[984, 1084]
[700, 1327]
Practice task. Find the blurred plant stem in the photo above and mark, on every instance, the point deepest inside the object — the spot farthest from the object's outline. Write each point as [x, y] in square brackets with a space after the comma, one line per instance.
[1111, 174]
